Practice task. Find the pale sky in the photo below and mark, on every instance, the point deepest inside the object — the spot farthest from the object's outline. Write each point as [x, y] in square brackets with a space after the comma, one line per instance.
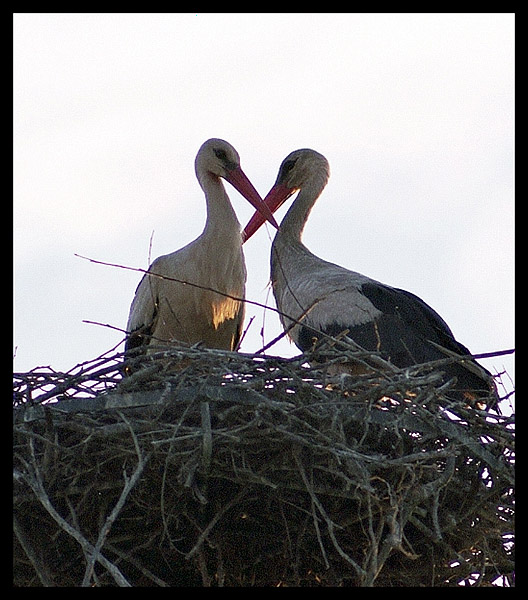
[415, 113]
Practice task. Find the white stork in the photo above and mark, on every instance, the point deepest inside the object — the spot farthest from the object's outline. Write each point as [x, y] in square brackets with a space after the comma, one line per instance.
[329, 299]
[164, 310]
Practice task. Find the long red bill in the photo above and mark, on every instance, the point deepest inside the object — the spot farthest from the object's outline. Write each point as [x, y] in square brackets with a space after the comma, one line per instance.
[239, 180]
[275, 198]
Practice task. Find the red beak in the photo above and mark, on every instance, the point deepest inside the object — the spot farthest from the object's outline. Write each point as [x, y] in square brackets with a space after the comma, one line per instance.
[276, 197]
[238, 179]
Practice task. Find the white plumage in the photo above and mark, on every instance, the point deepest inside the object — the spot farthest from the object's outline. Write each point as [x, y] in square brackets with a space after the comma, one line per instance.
[314, 291]
[166, 311]
[325, 299]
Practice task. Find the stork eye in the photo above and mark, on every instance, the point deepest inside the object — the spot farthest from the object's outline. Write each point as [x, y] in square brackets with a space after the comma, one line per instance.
[220, 154]
[288, 166]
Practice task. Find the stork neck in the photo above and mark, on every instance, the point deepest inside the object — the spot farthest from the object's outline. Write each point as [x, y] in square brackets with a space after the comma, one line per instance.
[221, 217]
[292, 225]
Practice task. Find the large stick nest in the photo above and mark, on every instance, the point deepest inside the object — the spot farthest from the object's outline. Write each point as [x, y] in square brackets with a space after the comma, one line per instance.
[217, 468]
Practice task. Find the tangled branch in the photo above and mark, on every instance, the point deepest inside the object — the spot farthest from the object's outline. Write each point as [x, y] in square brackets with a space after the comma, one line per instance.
[209, 467]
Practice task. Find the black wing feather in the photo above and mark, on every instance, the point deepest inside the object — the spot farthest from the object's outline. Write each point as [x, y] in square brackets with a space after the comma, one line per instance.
[403, 333]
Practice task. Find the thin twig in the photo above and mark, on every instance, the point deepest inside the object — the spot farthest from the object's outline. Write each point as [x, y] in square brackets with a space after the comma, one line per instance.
[129, 486]
[203, 535]
[35, 484]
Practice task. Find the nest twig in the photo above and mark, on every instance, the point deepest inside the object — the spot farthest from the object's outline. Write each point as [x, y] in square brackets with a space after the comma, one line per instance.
[207, 467]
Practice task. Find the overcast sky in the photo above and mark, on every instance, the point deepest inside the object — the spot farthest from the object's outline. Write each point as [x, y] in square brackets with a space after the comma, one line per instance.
[415, 113]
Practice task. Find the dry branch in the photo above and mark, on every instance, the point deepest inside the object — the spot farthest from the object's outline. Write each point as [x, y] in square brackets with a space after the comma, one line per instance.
[209, 467]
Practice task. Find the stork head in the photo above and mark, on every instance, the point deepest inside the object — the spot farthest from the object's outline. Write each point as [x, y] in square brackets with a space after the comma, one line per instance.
[218, 158]
[300, 169]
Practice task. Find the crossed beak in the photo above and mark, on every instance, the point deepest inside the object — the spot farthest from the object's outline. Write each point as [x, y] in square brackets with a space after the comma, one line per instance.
[275, 198]
[239, 180]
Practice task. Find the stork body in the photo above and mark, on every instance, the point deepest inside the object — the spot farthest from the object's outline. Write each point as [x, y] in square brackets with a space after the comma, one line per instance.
[323, 298]
[164, 310]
